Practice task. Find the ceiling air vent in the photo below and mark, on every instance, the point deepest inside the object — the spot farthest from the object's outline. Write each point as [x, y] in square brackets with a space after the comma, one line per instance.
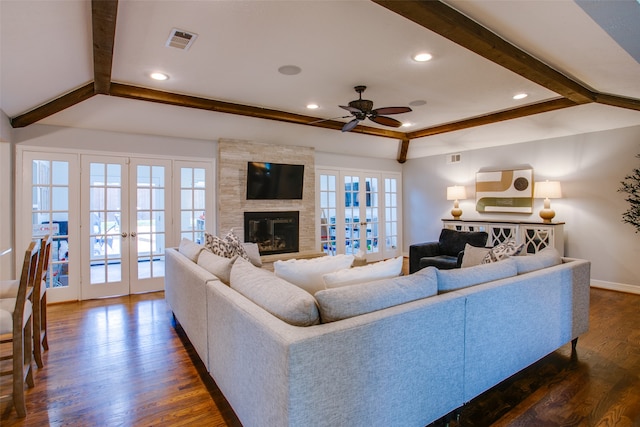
[181, 39]
[454, 158]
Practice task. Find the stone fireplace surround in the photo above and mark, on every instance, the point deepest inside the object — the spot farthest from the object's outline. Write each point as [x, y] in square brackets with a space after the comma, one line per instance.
[232, 202]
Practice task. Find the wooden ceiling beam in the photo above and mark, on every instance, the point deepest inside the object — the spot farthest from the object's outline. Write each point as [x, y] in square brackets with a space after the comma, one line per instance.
[403, 150]
[135, 92]
[103, 20]
[453, 25]
[618, 101]
[65, 101]
[527, 110]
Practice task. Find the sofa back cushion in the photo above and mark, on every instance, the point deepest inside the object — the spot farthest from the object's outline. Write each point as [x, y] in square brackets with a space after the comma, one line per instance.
[353, 300]
[217, 265]
[282, 299]
[450, 280]
[376, 271]
[307, 273]
[190, 249]
[452, 241]
[547, 257]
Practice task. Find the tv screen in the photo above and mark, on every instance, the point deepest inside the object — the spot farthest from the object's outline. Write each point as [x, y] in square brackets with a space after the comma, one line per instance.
[274, 181]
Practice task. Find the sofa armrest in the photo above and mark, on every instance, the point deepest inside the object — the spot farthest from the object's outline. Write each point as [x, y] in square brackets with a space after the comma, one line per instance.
[421, 250]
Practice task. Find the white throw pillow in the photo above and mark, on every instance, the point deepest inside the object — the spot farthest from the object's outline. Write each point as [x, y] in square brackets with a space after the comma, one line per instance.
[253, 252]
[307, 273]
[376, 271]
[190, 249]
[217, 265]
[473, 255]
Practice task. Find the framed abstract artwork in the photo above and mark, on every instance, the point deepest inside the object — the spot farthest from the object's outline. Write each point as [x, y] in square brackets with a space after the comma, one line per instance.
[509, 191]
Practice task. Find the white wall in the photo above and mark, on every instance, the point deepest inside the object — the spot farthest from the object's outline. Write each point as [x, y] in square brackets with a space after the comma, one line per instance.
[84, 139]
[7, 201]
[590, 168]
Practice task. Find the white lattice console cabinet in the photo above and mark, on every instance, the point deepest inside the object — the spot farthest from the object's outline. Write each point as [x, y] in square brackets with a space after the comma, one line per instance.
[535, 235]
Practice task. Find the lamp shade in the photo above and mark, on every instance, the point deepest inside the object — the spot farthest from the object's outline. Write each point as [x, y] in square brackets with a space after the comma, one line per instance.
[456, 192]
[547, 189]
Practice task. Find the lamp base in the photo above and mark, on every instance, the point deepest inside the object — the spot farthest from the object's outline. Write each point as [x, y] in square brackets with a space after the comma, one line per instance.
[547, 214]
[456, 213]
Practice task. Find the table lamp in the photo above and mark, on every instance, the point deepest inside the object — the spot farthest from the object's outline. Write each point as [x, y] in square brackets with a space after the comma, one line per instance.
[547, 190]
[456, 192]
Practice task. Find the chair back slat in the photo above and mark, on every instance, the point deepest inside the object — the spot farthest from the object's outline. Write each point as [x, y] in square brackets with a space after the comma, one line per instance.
[43, 265]
[27, 280]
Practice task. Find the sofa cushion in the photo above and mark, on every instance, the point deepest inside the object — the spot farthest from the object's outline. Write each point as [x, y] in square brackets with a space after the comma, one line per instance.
[504, 250]
[473, 255]
[547, 257]
[353, 300]
[253, 253]
[277, 296]
[307, 273]
[452, 241]
[190, 249]
[450, 280]
[217, 265]
[379, 270]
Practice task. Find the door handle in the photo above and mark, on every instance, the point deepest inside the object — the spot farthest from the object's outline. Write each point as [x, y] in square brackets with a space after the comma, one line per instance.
[134, 234]
[124, 234]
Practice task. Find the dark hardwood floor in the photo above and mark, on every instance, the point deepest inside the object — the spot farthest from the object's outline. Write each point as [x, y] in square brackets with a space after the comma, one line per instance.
[121, 362]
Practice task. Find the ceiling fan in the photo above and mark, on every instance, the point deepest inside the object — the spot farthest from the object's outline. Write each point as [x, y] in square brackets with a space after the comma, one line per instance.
[362, 109]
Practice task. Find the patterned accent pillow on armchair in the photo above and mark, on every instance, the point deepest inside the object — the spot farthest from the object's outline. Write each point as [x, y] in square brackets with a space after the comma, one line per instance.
[502, 251]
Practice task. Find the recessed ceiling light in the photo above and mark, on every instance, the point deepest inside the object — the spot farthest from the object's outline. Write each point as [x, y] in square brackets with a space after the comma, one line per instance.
[289, 70]
[417, 103]
[520, 96]
[159, 76]
[422, 57]
[312, 106]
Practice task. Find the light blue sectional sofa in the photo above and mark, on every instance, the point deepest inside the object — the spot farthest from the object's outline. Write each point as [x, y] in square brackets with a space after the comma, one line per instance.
[424, 345]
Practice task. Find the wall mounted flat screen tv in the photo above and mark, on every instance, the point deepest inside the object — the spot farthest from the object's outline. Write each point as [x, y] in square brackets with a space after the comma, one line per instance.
[274, 181]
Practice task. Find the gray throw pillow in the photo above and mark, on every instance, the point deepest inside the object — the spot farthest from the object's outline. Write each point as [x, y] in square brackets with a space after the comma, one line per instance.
[284, 300]
[190, 249]
[353, 300]
[547, 257]
[450, 280]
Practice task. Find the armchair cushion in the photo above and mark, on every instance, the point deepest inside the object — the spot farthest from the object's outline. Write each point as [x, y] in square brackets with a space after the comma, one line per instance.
[447, 252]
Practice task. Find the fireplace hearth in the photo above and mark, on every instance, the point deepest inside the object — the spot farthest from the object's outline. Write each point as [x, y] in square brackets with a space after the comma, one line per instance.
[274, 232]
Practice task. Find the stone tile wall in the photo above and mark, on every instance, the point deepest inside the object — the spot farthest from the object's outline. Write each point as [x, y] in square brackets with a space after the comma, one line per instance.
[232, 202]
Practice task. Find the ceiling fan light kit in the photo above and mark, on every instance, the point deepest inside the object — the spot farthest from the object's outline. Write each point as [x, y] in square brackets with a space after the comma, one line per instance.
[363, 109]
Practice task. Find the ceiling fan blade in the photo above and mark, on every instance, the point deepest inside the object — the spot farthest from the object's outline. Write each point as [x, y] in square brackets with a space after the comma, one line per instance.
[327, 120]
[392, 110]
[351, 109]
[387, 121]
[347, 127]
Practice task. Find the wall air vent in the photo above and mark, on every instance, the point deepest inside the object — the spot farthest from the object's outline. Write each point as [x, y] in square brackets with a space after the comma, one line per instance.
[454, 158]
[181, 39]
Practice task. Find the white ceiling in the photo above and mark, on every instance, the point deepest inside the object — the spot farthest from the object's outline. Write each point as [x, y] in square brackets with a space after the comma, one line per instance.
[46, 51]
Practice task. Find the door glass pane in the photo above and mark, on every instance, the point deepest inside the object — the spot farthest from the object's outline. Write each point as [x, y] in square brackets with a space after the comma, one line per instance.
[328, 209]
[372, 209]
[391, 213]
[352, 215]
[150, 228]
[192, 203]
[50, 215]
[105, 213]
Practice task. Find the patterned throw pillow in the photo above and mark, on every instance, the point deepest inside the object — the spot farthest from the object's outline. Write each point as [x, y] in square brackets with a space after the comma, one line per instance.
[502, 251]
[227, 246]
[218, 246]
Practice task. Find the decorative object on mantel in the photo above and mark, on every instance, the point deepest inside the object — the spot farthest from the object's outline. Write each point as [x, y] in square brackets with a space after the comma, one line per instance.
[631, 186]
[547, 190]
[456, 192]
[508, 191]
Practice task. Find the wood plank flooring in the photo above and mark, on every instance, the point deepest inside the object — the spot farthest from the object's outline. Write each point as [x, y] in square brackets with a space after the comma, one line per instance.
[121, 362]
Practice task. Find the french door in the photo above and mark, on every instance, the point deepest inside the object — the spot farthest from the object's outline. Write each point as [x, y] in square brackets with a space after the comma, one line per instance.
[359, 213]
[126, 212]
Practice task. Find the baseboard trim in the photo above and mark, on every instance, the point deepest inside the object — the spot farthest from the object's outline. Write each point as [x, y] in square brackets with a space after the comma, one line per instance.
[612, 286]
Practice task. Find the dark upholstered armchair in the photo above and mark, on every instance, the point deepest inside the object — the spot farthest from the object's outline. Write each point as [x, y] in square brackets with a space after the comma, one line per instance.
[447, 252]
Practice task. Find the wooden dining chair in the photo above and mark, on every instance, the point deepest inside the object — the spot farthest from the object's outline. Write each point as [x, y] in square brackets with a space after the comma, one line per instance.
[16, 333]
[40, 301]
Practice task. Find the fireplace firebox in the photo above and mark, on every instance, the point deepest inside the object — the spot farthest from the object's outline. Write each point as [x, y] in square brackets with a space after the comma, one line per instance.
[274, 232]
